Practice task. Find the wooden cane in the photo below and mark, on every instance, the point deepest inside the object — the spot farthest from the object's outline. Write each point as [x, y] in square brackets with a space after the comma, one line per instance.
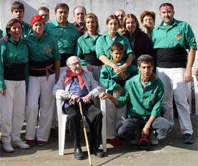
[85, 133]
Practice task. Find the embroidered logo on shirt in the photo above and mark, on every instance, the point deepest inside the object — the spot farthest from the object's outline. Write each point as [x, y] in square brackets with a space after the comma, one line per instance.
[47, 49]
[153, 100]
[178, 36]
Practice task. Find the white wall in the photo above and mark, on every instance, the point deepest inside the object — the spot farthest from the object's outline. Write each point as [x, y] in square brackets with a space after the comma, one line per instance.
[184, 10]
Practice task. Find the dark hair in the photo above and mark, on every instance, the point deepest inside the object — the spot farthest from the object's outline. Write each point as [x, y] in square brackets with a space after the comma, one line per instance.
[10, 23]
[43, 8]
[145, 58]
[91, 15]
[147, 13]
[166, 4]
[124, 30]
[17, 5]
[111, 17]
[117, 46]
[81, 7]
[61, 5]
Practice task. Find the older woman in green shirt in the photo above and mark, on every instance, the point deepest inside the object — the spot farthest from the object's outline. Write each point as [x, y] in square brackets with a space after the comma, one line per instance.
[104, 43]
[13, 73]
[86, 46]
[44, 62]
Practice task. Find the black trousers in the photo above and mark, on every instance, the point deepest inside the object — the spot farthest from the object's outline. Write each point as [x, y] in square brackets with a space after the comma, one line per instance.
[94, 118]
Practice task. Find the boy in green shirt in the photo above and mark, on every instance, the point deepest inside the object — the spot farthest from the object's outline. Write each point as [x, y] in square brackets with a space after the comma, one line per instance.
[115, 84]
[17, 9]
[143, 96]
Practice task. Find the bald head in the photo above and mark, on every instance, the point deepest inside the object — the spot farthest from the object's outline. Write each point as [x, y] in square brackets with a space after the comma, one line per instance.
[73, 63]
[120, 14]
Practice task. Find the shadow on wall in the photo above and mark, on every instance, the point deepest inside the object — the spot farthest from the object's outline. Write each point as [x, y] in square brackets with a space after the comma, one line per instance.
[29, 12]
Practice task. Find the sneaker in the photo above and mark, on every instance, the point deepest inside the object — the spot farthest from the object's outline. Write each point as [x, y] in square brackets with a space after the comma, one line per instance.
[153, 139]
[41, 143]
[31, 143]
[112, 142]
[7, 147]
[187, 139]
[20, 144]
[118, 142]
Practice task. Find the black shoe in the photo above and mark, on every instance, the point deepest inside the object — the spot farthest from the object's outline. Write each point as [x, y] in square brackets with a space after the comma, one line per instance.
[97, 152]
[78, 154]
[187, 139]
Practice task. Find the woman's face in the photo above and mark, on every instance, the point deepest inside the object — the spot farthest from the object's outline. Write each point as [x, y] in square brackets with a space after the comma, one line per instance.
[38, 27]
[112, 26]
[131, 25]
[148, 22]
[15, 31]
[91, 24]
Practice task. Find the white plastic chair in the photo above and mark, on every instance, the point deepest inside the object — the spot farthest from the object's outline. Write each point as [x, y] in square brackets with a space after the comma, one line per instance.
[62, 121]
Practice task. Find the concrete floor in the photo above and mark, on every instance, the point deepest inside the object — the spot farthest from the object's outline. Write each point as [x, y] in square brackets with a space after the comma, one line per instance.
[170, 152]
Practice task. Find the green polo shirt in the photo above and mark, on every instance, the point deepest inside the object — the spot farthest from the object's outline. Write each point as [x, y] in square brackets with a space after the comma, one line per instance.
[25, 30]
[103, 45]
[179, 34]
[42, 49]
[12, 52]
[65, 35]
[85, 45]
[108, 77]
[142, 101]
[1, 33]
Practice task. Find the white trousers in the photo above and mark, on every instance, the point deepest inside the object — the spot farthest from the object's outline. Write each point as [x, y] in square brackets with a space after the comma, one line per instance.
[174, 85]
[13, 110]
[40, 86]
[114, 116]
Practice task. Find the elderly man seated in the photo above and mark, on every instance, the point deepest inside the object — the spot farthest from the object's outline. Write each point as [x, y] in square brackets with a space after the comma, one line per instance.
[77, 85]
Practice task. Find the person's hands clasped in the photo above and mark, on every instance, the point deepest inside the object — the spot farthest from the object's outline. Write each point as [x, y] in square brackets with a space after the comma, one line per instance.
[87, 98]
[75, 98]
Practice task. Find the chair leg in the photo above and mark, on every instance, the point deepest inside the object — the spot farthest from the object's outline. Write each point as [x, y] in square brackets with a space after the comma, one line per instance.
[104, 132]
[62, 134]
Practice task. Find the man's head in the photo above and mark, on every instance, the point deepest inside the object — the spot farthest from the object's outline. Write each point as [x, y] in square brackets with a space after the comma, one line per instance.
[61, 13]
[44, 13]
[145, 65]
[120, 14]
[73, 63]
[17, 9]
[167, 13]
[79, 13]
[117, 51]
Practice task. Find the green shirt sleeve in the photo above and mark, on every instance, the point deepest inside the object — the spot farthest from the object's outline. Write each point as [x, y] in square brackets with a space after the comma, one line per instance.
[106, 78]
[79, 52]
[2, 51]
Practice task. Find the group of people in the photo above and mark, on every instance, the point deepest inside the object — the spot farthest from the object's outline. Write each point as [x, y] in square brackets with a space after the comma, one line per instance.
[78, 63]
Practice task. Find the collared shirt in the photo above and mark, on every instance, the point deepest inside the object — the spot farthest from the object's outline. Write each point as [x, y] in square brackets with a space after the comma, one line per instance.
[103, 45]
[42, 49]
[81, 29]
[179, 34]
[12, 52]
[142, 101]
[65, 35]
[85, 45]
[25, 30]
[110, 79]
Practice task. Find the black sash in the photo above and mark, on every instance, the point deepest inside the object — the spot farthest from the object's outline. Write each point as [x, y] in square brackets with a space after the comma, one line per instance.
[41, 66]
[171, 57]
[14, 71]
[92, 59]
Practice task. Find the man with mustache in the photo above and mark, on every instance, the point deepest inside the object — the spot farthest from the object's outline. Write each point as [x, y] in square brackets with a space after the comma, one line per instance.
[170, 40]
